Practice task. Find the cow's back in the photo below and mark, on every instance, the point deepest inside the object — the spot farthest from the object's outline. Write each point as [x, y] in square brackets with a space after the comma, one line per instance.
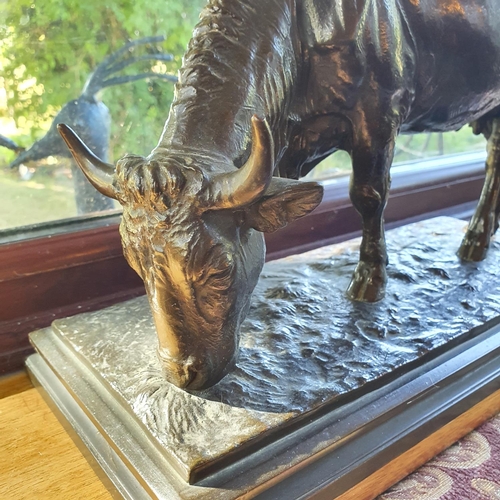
[457, 44]
[445, 53]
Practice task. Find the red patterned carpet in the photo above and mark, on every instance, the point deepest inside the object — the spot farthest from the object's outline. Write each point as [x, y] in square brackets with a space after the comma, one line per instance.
[468, 470]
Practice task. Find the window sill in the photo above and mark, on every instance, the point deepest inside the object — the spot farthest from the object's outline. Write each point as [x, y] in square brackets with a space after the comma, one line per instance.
[80, 267]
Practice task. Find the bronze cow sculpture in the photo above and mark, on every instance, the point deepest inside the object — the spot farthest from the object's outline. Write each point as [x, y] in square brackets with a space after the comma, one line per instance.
[322, 75]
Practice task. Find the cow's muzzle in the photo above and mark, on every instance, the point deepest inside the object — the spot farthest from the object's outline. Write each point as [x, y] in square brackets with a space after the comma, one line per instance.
[181, 374]
[189, 375]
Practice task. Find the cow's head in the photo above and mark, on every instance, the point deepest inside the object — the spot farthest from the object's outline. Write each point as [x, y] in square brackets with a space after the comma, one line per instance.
[193, 232]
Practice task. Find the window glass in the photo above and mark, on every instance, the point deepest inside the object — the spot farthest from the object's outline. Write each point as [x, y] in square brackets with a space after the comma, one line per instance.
[410, 148]
[108, 60]
[56, 62]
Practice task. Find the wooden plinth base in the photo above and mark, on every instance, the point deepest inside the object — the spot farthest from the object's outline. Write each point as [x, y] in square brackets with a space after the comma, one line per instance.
[406, 463]
[43, 462]
[326, 393]
[355, 451]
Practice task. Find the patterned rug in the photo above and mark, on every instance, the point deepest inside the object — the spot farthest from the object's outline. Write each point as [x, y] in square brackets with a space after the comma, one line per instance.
[468, 470]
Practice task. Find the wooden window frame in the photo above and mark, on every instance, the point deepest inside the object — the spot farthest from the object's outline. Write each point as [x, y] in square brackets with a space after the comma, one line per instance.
[56, 270]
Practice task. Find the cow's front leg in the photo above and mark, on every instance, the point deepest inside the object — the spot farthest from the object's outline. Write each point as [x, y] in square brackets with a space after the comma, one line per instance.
[484, 222]
[369, 189]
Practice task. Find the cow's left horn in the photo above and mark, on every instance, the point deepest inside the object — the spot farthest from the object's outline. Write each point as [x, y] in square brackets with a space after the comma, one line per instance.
[242, 187]
[99, 173]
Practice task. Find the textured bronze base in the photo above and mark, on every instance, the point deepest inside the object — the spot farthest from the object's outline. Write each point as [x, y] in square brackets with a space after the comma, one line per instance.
[326, 388]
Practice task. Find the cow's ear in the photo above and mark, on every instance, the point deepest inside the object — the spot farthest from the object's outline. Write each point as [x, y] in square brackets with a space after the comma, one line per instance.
[284, 201]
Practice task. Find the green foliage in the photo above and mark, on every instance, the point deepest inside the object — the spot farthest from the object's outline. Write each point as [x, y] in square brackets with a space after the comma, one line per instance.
[48, 48]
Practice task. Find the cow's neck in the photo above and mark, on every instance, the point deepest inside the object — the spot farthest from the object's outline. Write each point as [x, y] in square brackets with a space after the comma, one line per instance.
[241, 61]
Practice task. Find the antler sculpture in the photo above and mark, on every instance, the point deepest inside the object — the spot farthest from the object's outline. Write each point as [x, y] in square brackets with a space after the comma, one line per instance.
[7, 143]
[91, 119]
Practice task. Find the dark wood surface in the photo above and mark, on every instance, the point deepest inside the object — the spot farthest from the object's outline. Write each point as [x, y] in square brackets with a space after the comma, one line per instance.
[50, 277]
[53, 276]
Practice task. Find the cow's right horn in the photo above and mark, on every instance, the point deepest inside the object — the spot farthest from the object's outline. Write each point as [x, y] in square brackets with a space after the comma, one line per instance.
[99, 173]
[244, 186]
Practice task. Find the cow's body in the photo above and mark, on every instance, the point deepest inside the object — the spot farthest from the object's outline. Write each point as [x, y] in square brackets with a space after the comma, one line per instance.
[327, 75]
[317, 69]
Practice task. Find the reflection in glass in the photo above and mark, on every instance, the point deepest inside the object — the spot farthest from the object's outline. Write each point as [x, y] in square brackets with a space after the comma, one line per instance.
[50, 48]
[55, 57]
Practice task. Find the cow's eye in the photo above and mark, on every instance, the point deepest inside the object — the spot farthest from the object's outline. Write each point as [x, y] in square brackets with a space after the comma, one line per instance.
[217, 278]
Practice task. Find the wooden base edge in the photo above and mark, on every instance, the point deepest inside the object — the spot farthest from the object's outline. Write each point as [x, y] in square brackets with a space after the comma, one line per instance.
[408, 462]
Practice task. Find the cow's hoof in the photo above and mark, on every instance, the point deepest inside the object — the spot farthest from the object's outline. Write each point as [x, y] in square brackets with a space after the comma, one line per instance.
[472, 249]
[368, 283]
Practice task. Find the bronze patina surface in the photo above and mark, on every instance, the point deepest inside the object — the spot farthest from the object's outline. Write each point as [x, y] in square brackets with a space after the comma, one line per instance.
[322, 75]
[304, 344]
